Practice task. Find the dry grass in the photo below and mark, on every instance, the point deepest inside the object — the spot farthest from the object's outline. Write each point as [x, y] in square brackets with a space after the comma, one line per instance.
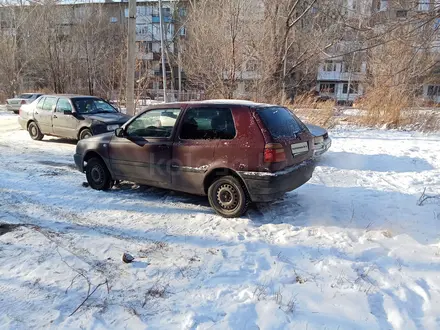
[318, 113]
[384, 106]
[324, 117]
[389, 107]
[421, 120]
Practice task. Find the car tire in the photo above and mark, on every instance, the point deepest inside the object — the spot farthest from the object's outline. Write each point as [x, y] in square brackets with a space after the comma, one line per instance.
[34, 131]
[98, 175]
[228, 197]
[85, 134]
[16, 112]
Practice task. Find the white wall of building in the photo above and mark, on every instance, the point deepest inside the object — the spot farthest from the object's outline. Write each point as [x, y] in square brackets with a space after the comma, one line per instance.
[431, 92]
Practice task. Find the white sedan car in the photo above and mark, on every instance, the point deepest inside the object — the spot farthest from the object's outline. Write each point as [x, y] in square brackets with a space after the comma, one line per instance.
[15, 103]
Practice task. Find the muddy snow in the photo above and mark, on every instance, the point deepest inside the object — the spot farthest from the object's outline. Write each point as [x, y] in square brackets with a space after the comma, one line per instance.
[352, 249]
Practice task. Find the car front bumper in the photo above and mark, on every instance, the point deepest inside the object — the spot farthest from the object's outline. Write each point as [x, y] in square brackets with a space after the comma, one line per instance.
[22, 122]
[267, 187]
[79, 162]
[322, 147]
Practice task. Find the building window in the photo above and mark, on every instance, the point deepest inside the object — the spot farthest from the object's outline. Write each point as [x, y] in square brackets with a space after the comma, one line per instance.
[251, 65]
[354, 88]
[144, 10]
[352, 66]
[327, 88]
[166, 11]
[249, 86]
[433, 90]
[81, 12]
[144, 46]
[401, 13]
[330, 66]
[423, 5]
[182, 12]
[382, 5]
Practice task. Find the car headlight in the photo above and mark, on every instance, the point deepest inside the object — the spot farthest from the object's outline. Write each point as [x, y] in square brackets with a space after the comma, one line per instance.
[319, 139]
[112, 127]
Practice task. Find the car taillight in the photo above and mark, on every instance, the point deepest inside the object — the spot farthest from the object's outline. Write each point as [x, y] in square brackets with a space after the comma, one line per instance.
[23, 102]
[273, 153]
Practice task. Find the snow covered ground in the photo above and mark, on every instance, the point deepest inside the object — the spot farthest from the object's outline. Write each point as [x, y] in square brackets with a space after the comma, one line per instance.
[349, 250]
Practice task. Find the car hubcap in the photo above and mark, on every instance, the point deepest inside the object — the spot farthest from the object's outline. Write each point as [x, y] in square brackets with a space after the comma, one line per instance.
[97, 174]
[86, 135]
[33, 130]
[227, 197]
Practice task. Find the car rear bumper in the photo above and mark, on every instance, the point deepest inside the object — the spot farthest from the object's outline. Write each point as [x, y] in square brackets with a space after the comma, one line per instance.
[322, 147]
[79, 162]
[266, 187]
[13, 107]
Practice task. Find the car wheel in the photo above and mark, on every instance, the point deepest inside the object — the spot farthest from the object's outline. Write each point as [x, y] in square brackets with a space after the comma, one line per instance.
[228, 197]
[85, 134]
[34, 131]
[97, 174]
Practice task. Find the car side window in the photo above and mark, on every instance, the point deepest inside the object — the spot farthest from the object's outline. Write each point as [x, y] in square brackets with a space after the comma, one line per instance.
[63, 105]
[40, 103]
[154, 124]
[208, 124]
[49, 102]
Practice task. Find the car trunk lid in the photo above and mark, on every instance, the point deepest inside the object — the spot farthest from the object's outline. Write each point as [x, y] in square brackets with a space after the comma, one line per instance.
[286, 136]
[14, 101]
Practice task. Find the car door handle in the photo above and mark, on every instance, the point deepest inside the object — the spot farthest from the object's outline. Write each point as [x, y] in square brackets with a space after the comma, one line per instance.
[55, 116]
[36, 112]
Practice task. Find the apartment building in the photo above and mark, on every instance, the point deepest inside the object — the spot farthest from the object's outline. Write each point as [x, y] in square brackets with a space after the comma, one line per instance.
[113, 15]
[341, 77]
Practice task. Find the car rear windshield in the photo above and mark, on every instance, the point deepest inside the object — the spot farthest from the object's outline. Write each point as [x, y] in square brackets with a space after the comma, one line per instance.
[280, 122]
[25, 96]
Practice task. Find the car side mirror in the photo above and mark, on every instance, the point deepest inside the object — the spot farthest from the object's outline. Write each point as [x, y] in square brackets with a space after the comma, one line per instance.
[119, 132]
[67, 112]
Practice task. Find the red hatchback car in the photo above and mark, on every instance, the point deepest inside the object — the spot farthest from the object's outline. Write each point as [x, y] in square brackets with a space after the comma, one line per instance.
[236, 152]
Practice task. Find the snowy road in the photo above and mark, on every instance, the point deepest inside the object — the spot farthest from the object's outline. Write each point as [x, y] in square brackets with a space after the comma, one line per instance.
[349, 250]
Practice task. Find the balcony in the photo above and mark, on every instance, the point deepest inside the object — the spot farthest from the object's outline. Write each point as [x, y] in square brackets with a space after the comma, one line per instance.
[329, 75]
[340, 76]
[144, 56]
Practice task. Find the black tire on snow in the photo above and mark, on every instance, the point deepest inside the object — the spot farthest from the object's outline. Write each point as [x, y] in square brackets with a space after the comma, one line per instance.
[228, 197]
[34, 131]
[98, 175]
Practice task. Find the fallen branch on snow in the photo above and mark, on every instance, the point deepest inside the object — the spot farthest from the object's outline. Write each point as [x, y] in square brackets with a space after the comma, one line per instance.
[424, 197]
[88, 296]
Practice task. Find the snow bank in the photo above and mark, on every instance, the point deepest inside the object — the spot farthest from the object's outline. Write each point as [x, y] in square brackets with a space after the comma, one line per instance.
[349, 250]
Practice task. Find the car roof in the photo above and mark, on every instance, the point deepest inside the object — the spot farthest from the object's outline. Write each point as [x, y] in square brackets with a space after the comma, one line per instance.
[71, 96]
[216, 102]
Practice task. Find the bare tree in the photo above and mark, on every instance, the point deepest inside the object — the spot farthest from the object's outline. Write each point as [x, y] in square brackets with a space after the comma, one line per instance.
[283, 38]
[61, 48]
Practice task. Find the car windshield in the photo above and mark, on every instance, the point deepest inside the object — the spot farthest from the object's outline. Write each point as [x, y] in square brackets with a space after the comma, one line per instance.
[25, 96]
[280, 121]
[88, 105]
